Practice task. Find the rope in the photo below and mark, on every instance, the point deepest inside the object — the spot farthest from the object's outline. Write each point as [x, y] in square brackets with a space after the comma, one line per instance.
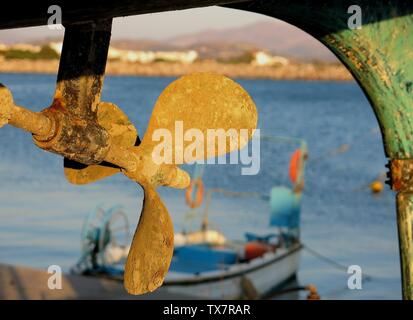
[237, 194]
[287, 140]
[331, 153]
[332, 262]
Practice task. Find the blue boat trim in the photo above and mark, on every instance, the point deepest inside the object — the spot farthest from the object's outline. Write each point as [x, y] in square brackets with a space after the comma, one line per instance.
[232, 275]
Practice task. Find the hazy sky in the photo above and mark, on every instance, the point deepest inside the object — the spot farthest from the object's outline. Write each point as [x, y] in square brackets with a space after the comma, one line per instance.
[155, 25]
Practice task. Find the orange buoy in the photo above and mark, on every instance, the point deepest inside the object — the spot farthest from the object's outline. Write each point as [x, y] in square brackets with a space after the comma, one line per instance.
[376, 186]
[199, 195]
[295, 165]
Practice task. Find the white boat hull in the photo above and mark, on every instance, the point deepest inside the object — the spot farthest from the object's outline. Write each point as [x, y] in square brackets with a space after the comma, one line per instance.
[264, 273]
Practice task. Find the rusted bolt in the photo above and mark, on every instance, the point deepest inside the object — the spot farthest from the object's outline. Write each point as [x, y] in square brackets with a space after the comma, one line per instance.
[58, 131]
[78, 139]
[401, 174]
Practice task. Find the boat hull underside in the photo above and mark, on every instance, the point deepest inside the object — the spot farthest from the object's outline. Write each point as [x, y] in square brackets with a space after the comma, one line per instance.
[264, 273]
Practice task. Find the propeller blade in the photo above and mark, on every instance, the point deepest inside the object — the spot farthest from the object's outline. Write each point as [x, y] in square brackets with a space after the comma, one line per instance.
[6, 105]
[203, 101]
[152, 247]
[122, 132]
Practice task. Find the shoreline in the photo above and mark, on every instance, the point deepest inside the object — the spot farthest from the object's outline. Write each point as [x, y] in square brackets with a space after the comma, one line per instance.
[292, 71]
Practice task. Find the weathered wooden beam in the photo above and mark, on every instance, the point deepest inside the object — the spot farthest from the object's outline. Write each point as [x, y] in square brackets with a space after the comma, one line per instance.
[34, 13]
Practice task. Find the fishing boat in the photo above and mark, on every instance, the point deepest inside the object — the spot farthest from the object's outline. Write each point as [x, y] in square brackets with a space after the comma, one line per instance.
[205, 263]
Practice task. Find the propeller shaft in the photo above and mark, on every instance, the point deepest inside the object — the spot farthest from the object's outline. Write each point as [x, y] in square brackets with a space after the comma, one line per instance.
[34, 122]
[89, 143]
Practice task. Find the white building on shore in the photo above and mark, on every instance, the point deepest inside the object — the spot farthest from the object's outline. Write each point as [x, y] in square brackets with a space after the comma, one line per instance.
[177, 56]
[262, 58]
[151, 56]
[56, 46]
[140, 56]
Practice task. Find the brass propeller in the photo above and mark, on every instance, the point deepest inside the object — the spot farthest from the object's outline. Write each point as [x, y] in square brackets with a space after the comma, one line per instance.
[194, 103]
[202, 101]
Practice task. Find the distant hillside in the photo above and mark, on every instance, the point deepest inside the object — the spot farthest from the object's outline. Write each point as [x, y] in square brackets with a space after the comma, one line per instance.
[277, 36]
[143, 44]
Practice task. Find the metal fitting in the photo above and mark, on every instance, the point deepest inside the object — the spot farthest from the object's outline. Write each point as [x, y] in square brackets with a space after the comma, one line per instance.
[401, 174]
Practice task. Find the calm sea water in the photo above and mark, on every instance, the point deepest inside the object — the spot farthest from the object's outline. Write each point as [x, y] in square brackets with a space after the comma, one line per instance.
[41, 214]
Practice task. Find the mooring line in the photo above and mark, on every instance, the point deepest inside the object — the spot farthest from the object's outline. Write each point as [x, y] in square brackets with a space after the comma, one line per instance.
[335, 264]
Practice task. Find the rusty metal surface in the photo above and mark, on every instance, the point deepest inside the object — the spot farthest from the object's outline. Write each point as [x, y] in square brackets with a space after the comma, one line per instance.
[79, 84]
[122, 133]
[401, 175]
[405, 227]
[76, 138]
[82, 68]
[69, 127]
[401, 180]
[57, 130]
